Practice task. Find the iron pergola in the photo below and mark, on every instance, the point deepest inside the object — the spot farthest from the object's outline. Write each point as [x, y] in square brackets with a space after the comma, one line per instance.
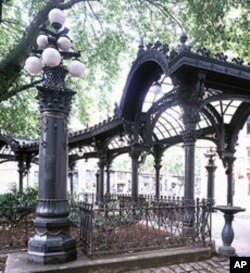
[170, 96]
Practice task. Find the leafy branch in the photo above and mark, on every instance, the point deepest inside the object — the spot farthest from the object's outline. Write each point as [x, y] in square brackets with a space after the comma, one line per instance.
[15, 91]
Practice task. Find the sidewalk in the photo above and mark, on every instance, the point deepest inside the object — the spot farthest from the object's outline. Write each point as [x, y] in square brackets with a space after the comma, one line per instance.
[213, 265]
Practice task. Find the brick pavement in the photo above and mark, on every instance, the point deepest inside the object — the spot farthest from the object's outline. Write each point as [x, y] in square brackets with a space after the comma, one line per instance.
[216, 264]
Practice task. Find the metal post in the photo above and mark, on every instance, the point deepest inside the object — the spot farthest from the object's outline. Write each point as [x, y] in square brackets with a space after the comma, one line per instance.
[189, 146]
[52, 242]
[157, 179]
[101, 165]
[134, 154]
[97, 186]
[108, 179]
[158, 151]
[230, 180]
[210, 178]
[21, 170]
[71, 174]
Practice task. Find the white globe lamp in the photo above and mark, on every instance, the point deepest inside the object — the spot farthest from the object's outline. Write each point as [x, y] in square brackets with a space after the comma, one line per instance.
[75, 68]
[51, 57]
[42, 41]
[56, 18]
[64, 43]
[156, 88]
[33, 65]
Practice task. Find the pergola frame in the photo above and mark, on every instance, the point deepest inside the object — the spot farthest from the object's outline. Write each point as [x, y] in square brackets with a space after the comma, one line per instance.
[204, 89]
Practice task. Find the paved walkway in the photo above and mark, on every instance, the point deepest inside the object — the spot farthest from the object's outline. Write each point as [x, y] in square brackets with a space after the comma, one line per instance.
[213, 265]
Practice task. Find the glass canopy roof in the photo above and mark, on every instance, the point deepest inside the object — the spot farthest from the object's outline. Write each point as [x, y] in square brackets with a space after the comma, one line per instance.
[169, 123]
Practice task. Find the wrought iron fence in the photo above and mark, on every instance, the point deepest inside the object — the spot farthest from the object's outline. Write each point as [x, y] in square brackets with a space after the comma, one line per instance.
[125, 200]
[153, 225]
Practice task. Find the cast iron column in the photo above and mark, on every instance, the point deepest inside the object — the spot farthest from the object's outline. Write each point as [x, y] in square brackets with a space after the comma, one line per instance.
[158, 150]
[21, 170]
[52, 242]
[189, 138]
[108, 178]
[101, 165]
[71, 174]
[210, 178]
[157, 167]
[134, 154]
[189, 93]
[230, 179]
[97, 186]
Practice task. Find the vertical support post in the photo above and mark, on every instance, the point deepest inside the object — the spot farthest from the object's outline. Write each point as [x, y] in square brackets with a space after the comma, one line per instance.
[210, 178]
[189, 95]
[157, 167]
[189, 146]
[97, 185]
[157, 180]
[134, 154]
[71, 174]
[52, 242]
[101, 165]
[230, 179]
[108, 178]
[21, 170]
[158, 150]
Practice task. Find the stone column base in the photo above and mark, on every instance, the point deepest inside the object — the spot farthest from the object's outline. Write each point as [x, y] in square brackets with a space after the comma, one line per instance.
[227, 251]
[52, 249]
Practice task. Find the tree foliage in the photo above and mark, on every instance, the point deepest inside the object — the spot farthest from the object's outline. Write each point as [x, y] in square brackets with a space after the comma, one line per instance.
[106, 33]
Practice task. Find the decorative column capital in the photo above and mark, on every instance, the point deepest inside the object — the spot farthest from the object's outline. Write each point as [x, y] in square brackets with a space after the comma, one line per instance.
[135, 151]
[102, 161]
[189, 91]
[189, 136]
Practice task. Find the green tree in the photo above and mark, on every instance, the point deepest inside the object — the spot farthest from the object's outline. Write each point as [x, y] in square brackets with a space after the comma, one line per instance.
[106, 33]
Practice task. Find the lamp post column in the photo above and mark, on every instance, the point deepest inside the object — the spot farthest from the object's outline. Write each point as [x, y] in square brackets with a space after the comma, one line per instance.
[52, 242]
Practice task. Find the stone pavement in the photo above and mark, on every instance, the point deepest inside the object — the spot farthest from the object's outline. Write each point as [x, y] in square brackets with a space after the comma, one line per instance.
[216, 264]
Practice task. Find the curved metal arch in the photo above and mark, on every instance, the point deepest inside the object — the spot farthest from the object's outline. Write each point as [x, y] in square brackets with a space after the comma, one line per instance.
[166, 120]
[244, 98]
[168, 105]
[147, 68]
[238, 120]
[214, 116]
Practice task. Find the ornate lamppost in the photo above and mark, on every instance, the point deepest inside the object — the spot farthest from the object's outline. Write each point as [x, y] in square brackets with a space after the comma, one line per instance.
[52, 242]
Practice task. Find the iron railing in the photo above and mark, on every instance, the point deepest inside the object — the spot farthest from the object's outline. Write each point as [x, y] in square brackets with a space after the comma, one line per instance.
[152, 225]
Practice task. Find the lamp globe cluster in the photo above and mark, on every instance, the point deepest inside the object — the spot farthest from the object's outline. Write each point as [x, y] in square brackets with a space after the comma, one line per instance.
[54, 46]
